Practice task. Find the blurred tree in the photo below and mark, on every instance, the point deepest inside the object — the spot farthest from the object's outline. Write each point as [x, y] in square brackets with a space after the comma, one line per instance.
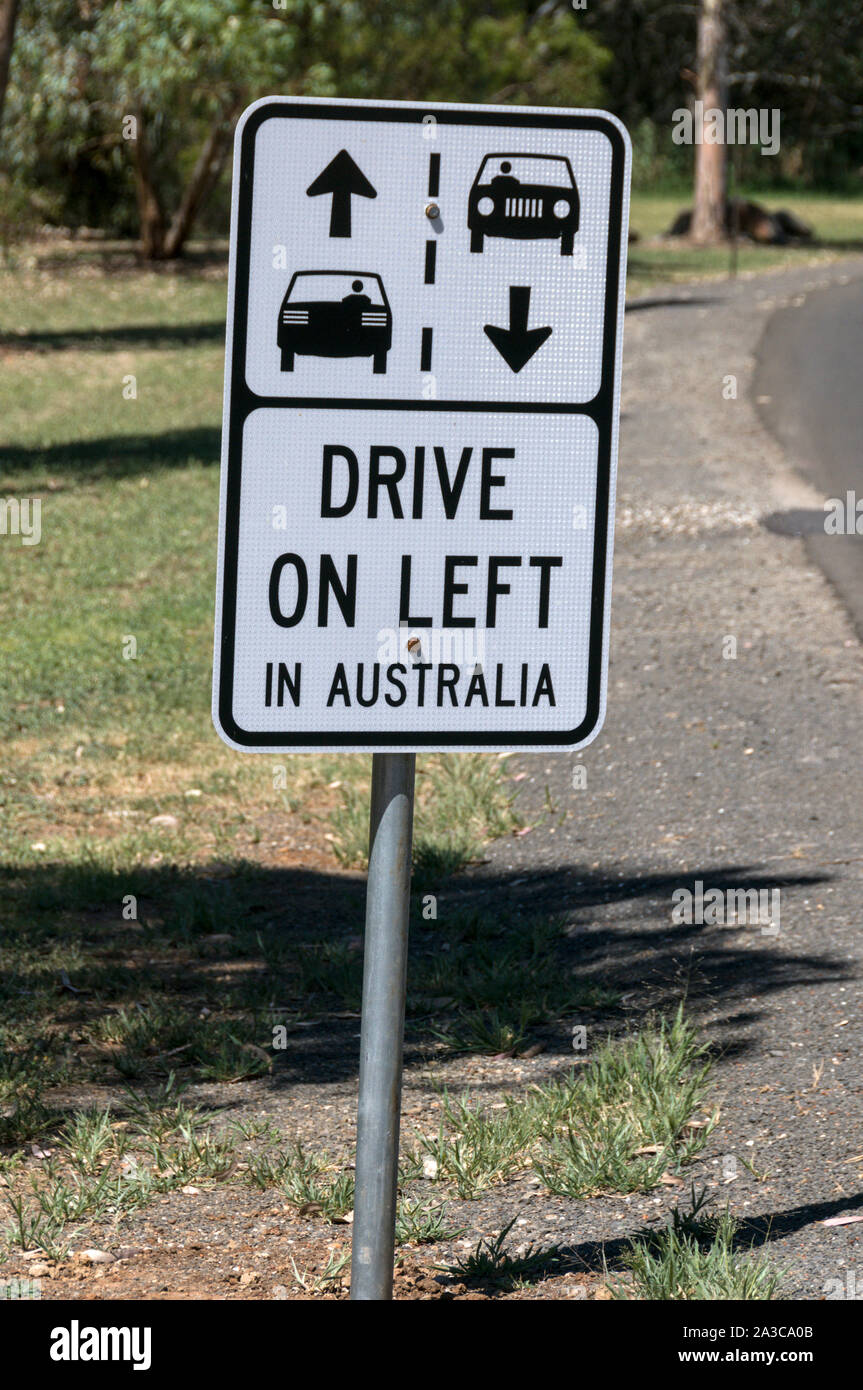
[8, 16]
[708, 214]
[804, 57]
[466, 50]
[109, 97]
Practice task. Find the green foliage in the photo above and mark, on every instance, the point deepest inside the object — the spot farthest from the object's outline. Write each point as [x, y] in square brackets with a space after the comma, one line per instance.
[457, 51]
[419, 1222]
[184, 69]
[802, 57]
[616, 1126]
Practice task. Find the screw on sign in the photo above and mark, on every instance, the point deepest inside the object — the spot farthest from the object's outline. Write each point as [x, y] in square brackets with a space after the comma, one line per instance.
[422, 396]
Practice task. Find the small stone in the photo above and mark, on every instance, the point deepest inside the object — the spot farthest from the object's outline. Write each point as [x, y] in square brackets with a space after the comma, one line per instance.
[429, 1167]
[95, 1257]
[39, 1270]
[169, 822]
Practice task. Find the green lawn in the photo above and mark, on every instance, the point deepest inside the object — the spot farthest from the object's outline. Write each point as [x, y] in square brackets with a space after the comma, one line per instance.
[836, 222]
[129, 494]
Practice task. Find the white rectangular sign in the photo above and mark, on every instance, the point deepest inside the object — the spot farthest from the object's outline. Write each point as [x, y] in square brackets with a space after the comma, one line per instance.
[422, 387]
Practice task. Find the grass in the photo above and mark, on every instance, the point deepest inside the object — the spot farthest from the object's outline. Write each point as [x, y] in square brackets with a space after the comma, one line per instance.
[498, 977]
[331, 1274]
[696, 1256]
[106, 1162]
[420, 1222]
[460, 806]
[196, 984]
[629, 1117]
[837, 223]
[491, 1263]
[620, 1125]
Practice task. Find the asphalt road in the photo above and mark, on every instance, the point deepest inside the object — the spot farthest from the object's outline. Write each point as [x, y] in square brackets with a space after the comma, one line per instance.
[809, 388]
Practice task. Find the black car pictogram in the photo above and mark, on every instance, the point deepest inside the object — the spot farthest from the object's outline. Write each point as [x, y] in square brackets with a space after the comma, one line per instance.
[524, 196]
[335, 313]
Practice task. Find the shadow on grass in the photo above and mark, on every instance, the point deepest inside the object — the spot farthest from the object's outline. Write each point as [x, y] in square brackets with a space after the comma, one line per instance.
[123, 256]
[850, 246]
[156, 335]
[667, 260]
[117, 456]
[270, 947]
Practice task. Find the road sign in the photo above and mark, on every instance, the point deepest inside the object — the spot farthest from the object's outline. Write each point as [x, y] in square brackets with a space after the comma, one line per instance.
[422, 391]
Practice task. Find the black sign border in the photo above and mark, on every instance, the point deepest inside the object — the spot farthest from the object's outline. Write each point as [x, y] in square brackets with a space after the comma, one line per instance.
[243, 401]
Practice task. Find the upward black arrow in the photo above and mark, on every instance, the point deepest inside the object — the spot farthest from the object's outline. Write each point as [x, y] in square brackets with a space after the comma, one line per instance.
[518, 343]
[342, 177]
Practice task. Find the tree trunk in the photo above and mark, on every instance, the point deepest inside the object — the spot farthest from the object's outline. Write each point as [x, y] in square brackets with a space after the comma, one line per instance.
[708, 217]
[151, 216]
[8, 16]
[207, 168]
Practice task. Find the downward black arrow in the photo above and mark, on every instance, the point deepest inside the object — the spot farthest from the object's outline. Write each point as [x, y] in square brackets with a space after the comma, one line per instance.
[342, 177]
[518, 343]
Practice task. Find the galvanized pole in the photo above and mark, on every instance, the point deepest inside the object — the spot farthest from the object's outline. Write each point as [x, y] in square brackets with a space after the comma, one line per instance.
[383, 1020]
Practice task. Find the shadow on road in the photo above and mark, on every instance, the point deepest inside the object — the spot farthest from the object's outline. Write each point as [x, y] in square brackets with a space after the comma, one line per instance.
[608, 1256]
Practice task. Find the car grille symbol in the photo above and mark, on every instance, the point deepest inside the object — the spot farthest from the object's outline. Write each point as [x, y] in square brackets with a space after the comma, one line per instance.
[524, 207]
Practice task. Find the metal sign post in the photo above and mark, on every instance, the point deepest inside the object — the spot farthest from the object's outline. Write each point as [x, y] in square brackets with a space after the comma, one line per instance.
[384, 976]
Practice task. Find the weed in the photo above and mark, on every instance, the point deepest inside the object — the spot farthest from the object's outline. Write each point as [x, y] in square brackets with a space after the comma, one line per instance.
[695, 1256]
[491, 1263]
[420, 1222]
